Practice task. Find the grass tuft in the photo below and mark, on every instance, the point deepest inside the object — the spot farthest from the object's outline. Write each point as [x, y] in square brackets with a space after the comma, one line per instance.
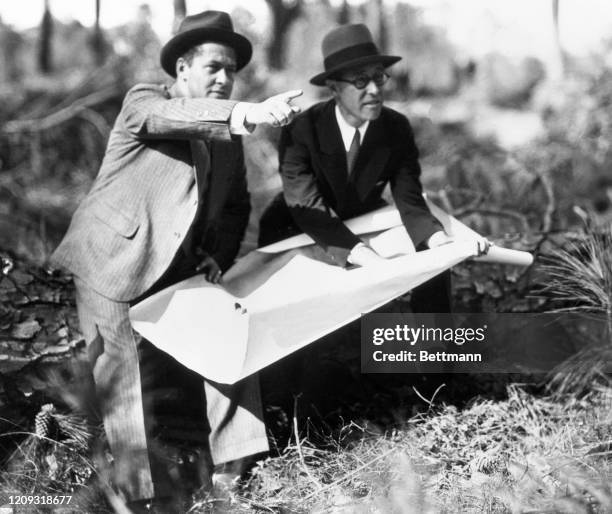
[579, 279]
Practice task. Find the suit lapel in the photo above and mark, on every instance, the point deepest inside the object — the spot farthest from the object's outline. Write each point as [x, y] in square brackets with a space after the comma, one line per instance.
[332, 155]
[373, 156]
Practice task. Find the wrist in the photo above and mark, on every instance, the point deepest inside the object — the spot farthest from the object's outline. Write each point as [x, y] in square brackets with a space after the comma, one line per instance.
[354, 251]
[438, 238]
[239, 120]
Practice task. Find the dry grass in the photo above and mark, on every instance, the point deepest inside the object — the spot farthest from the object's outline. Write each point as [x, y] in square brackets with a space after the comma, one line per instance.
[524, 454]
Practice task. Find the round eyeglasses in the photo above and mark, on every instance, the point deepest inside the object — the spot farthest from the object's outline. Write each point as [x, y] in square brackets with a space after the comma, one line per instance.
[361, 81]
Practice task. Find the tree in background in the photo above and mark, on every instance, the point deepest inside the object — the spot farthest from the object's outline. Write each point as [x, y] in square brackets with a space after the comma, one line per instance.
[429, 64]
[283, 13]
[344, 13]
[139, 45]
[375, 20]
[557, 66]
[180, 11]
[11, 43]
[45, 64]
[97, 42]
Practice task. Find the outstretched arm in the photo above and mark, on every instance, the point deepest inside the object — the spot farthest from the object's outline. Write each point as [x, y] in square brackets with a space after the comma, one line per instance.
[150, 113]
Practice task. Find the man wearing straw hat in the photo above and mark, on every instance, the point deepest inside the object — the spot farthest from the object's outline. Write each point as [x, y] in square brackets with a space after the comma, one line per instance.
[170, 200]
[337, 157]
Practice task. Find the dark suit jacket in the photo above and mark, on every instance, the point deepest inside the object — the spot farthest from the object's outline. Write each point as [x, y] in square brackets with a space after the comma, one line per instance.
[316, 188]
[127, 230]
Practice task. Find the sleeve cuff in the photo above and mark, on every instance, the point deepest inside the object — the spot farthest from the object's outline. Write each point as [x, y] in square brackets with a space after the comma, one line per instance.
[350, 255]
[238, 124]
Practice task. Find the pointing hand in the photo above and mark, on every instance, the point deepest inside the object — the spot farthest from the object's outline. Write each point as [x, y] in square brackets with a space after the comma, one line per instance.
[275, 111]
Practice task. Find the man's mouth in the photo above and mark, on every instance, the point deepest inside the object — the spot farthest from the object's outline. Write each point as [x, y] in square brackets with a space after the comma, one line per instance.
[218, 93]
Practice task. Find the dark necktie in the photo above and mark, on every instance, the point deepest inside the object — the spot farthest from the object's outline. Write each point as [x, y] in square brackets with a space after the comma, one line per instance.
[351, 157]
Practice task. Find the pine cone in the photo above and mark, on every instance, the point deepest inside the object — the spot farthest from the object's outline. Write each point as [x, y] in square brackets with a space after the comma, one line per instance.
[44, 420]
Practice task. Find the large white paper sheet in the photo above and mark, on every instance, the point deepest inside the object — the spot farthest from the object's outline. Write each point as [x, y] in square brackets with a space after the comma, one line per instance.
[276, 300]
[227, 333]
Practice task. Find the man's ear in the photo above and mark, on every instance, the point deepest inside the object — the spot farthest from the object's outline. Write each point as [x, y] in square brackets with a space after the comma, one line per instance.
[331, 84]
[181, 66]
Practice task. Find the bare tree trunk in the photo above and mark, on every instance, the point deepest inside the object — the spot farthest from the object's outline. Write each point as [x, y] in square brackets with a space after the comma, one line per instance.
[284, 13]
[11, 43]
[557, 65]
[377, 24]
[344, 13]
[180, 11]
[98, 46]
[45, 64]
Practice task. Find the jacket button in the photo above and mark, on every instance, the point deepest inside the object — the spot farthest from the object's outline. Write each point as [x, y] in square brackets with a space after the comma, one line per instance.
[177, 235]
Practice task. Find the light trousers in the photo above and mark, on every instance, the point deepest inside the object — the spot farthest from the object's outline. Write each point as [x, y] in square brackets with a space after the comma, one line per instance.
[234, 412]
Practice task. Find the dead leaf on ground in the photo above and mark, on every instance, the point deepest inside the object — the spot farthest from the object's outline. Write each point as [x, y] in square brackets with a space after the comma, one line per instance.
[26, 329]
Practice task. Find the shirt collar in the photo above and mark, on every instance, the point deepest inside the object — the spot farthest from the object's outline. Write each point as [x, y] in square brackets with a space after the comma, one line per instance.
[346, 131]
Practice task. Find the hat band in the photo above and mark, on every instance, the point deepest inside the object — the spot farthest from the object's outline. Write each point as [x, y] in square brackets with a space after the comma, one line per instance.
[349, 54]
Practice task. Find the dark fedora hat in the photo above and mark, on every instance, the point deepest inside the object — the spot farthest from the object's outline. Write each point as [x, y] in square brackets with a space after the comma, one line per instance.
[348, 46]
[213, 26]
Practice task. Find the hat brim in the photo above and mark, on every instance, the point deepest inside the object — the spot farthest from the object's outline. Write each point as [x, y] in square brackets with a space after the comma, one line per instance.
[184, 41]
[385, 60]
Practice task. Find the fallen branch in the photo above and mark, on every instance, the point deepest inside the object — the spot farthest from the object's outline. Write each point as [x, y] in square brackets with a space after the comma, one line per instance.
[503, 213]
[97, 120]
[67, 113]
[428, 402]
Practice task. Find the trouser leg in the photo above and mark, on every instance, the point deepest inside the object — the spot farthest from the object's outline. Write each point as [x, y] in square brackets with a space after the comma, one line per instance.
[112, 349]
[235, 416]
[435, 295]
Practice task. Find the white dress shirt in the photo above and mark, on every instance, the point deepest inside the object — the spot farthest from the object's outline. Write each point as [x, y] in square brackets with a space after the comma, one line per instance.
[347, 132]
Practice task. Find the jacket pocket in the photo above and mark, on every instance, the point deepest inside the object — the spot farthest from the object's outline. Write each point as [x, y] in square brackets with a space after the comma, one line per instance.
[115, 219]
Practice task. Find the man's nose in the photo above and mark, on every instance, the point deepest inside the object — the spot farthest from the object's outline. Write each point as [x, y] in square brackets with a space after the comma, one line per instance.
[223, 77]
[372, 88]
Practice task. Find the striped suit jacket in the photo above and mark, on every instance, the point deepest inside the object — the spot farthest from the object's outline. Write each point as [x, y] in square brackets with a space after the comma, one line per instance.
[127, 230]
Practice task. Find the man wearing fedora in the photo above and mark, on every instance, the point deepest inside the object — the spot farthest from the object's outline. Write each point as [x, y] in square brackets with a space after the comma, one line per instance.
[337, 157]
[170, 200]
